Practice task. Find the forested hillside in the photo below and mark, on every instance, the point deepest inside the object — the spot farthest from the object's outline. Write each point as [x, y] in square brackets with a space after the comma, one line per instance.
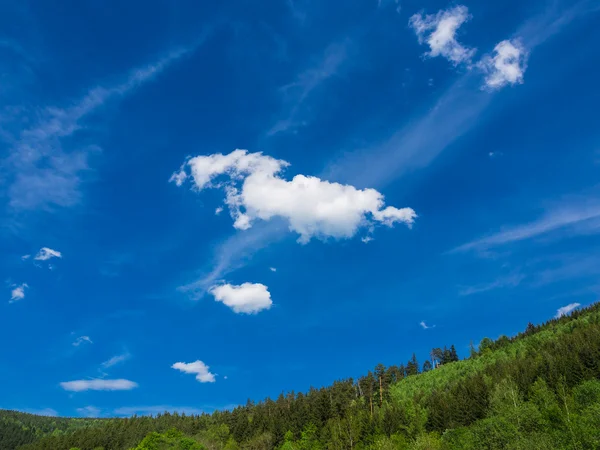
[537, 390]
[17, 428]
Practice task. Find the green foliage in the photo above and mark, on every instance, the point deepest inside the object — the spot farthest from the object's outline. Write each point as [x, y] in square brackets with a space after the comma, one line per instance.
[171, 439]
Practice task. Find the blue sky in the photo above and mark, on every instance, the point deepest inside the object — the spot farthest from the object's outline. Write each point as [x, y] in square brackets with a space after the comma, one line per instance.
[208, 202]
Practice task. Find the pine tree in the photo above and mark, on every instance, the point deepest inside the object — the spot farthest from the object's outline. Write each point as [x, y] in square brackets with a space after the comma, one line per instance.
[412, 367]
[453, 353]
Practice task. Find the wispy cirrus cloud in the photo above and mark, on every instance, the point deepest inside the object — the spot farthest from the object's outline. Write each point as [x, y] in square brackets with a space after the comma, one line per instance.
[297, 92]
[582, 218]
[502, 282]
[43, 170]
[117, 359]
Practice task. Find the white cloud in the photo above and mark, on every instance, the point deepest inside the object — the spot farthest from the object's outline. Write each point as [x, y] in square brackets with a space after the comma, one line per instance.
[248, 298]
[201, 370]
[46, 253]
[117, 359]
[89, 411]
[18, 293]
[311, 206]
[439, 32]
[425, 326]
[98, 384]
[81, 339]
[412, 147]
[273, 269]
[366, 239]
[25, 257]
[218, 211]
[566, 309]
[506, 66]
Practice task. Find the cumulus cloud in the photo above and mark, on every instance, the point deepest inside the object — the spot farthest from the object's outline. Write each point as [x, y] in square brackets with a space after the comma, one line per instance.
[247, 298]
[18, 293]
[98, 384]
[25, 257]
[117, 359]
[81, 339]
[255, 190]
[439, 32]
[506, 66]
[46, 253]
[566, 309]
[273, 269]
[425, 326]
[198, 368]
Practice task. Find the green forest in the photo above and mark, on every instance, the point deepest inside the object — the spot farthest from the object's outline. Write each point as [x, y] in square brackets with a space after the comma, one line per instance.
[539, 389]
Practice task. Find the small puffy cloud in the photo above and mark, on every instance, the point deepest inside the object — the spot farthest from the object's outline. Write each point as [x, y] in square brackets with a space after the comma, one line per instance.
[247, 298]
[18, 293]
[81, 339]
[117, 359]
[366, 239]
[273, 269]
[89, 411]
[566, 309]
[25, 257]
[198, 368]
[46, 253]
[506, 66]
[314, 208]
[98, 384]
[439, 32]
[219, 210]
[425, 326]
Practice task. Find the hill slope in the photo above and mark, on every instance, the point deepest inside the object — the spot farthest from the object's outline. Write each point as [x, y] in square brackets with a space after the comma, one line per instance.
[539, 389]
